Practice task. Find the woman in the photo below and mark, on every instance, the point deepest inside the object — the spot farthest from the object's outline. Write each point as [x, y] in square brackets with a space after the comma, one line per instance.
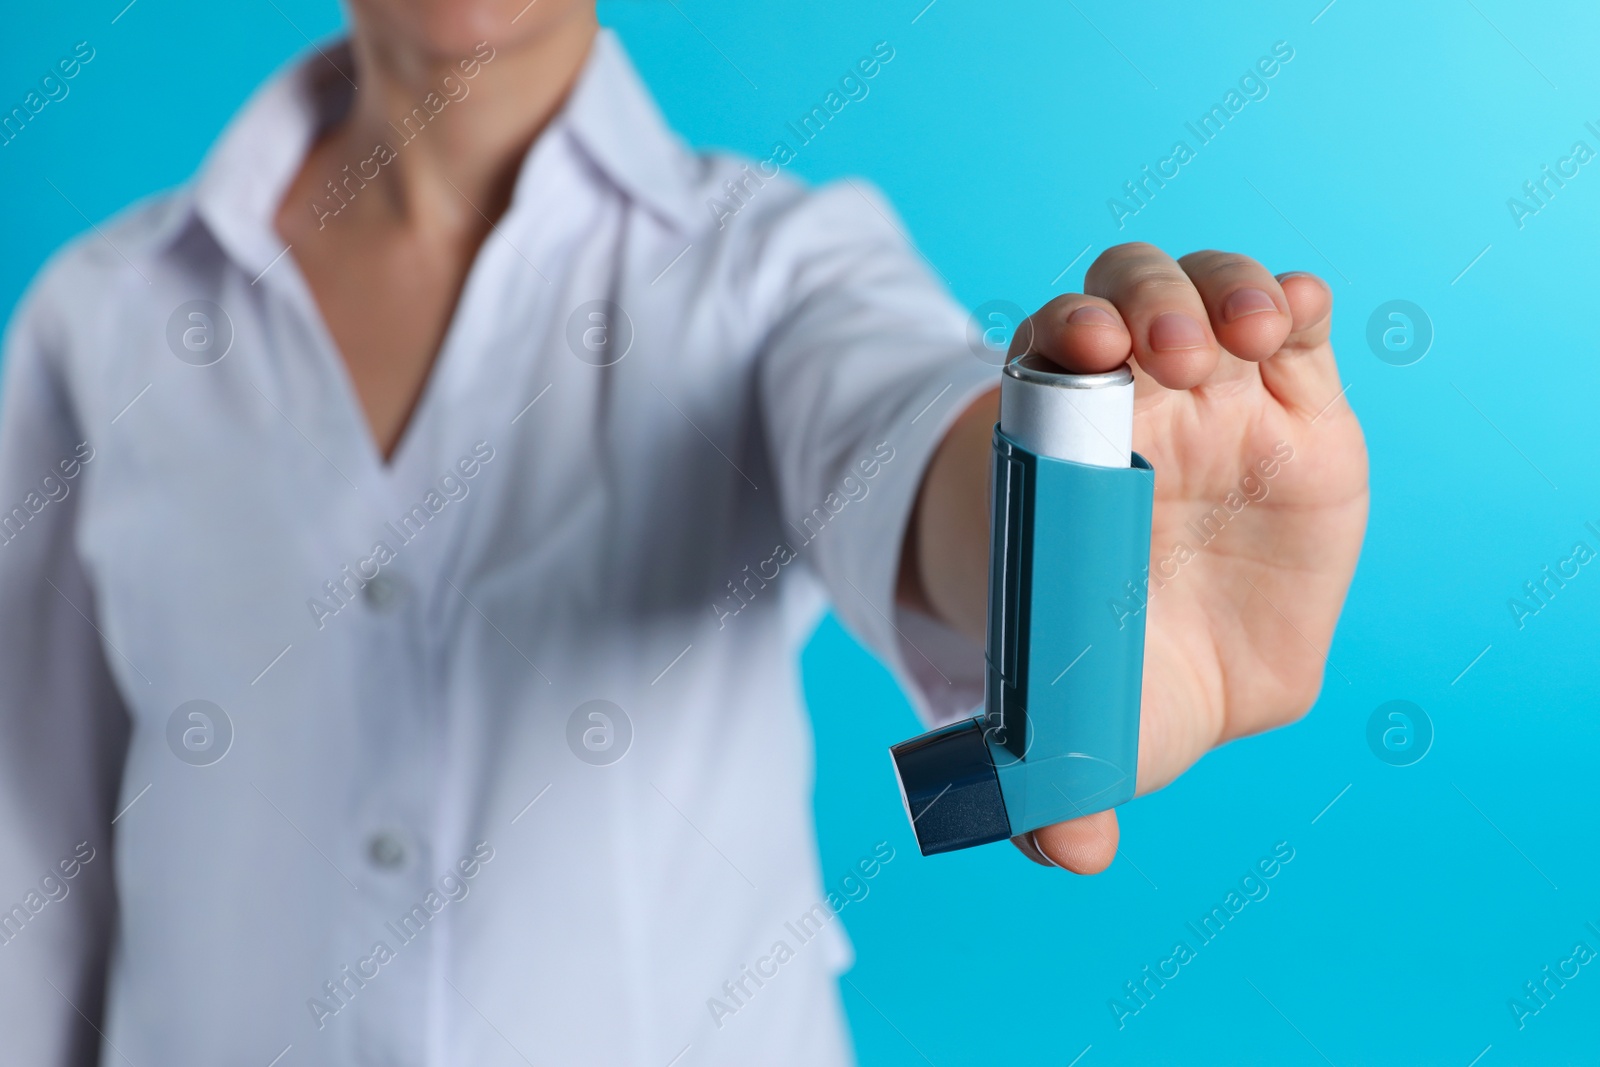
[416, 521]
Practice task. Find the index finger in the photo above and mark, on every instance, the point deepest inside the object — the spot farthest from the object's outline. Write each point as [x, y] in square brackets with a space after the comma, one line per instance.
[1167, 319]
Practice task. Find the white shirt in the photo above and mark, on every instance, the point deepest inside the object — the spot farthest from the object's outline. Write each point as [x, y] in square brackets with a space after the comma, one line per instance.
[399, 650]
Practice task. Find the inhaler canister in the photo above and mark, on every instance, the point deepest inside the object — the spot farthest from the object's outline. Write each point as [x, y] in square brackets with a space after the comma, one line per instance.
[1084, 418]
[1068, 574]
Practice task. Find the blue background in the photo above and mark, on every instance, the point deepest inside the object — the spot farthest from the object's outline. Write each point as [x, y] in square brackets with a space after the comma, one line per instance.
[1418, 904]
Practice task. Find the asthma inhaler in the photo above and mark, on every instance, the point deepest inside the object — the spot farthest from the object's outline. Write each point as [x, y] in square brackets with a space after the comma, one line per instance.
[1069, 543]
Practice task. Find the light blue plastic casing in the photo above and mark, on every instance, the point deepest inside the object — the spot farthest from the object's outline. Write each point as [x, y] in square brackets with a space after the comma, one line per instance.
[1070, 545]
[1069, 558]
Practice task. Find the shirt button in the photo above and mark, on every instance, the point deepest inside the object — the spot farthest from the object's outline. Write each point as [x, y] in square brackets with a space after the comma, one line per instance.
[386, 850]
[383, 593]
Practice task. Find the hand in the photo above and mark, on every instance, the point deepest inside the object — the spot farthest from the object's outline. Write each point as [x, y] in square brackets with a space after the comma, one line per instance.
[1232, 367]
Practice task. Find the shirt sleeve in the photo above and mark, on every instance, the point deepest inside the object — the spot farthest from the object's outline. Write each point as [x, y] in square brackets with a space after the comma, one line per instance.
[63, 727]
[861, 379]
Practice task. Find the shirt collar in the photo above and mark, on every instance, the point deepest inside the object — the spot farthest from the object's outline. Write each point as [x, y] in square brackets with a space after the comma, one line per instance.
[610, 114]
[613, 117]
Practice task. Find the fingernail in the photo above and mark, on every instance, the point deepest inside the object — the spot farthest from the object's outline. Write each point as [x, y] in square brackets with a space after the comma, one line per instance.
[1089, 315]
[1033, 836]
[1247, 302]
[1174, 330]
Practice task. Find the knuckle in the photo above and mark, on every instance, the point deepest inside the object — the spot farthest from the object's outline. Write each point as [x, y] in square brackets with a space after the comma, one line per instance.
[1200, 257]
[1153, 284]
[1303, 697]
[1215, 264]
[1130, 250]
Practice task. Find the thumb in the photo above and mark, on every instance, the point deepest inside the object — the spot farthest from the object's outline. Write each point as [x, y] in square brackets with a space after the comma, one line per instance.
[1082, 846]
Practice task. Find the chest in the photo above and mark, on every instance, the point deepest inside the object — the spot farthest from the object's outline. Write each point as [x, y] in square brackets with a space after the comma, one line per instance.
[387, 298]
[235, 493]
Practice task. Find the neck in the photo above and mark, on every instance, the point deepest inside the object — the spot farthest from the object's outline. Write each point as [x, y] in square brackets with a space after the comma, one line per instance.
[456, 128]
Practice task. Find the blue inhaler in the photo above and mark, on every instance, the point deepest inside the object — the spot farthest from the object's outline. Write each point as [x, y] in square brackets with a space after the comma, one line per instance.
[1069, 544]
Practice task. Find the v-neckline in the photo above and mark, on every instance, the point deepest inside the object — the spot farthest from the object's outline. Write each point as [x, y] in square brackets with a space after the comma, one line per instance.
[353, 412]
[386, 468]
[533, 170]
